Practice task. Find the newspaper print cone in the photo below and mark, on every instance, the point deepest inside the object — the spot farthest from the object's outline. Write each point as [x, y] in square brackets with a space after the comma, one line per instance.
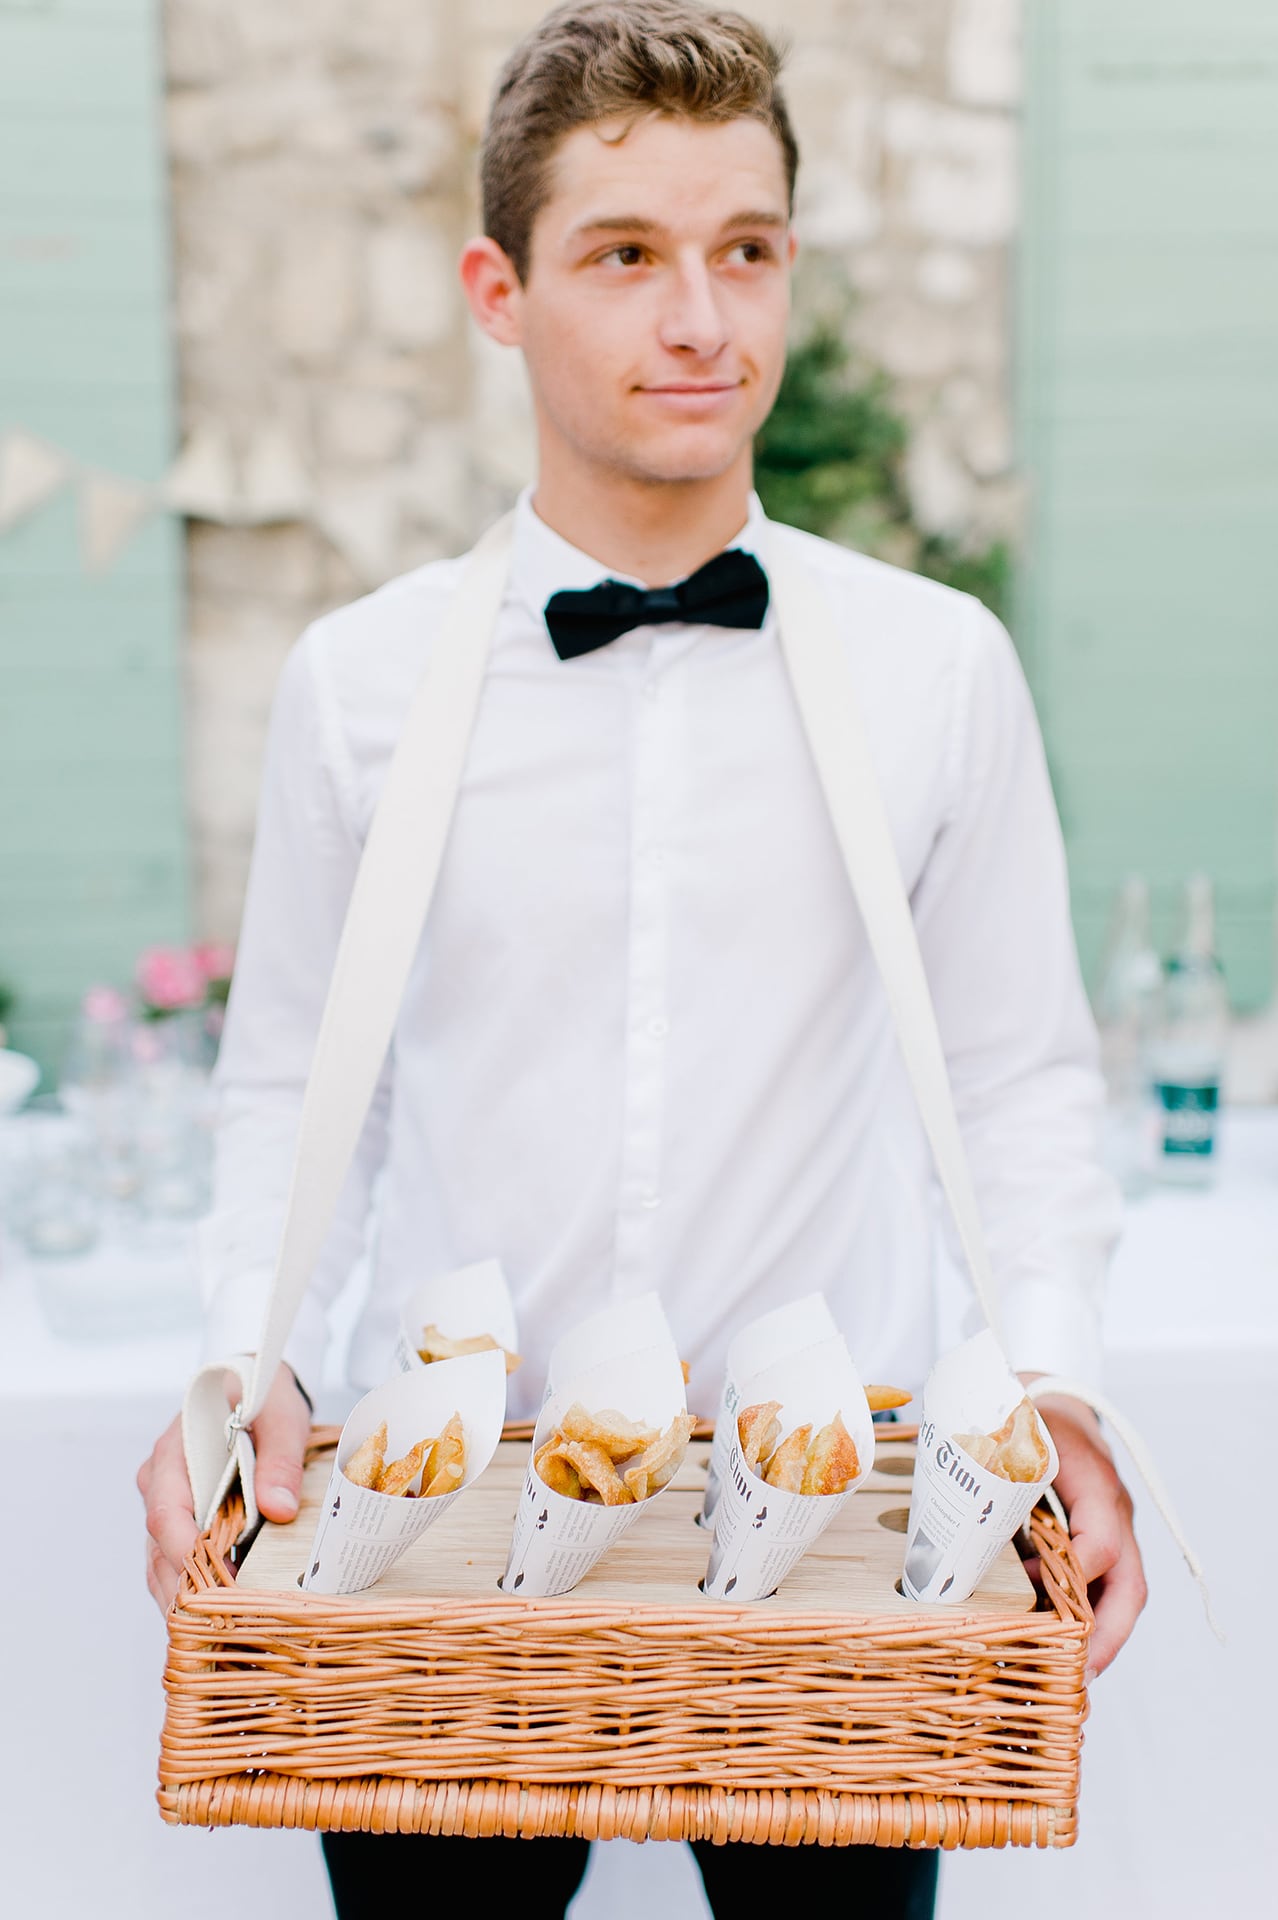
[760, 1531]
[789, 1329]
[961, 1514]
[361, 1533]
[469, 1301]
[557, 1540]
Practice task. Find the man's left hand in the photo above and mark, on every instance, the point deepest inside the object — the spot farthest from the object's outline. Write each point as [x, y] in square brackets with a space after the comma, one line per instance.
[1100, 1524]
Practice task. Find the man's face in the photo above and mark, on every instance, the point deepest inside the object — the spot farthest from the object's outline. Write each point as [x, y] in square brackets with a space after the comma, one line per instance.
[653, 317]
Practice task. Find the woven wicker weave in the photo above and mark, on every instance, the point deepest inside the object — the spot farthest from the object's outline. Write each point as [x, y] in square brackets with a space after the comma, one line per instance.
[661, 1715]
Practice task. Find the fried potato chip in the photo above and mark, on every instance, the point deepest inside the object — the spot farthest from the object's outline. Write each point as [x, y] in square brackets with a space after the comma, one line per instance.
[786, 1467]
[758, 1430]
[440, 1346]
[446, 1468]
[883, 1399]
[981, 1446]
[556, 1472]
[364, 1468]
[1016, 1450]
[595, 1469]
[608, 1429]
[686, 1371]
[398, 1475]
[1020, 1449]
[657, 1465]
[832, 1463]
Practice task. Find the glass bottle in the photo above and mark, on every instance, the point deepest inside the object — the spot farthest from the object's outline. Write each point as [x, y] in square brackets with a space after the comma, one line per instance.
[1189, 1048]
[1127, 1004]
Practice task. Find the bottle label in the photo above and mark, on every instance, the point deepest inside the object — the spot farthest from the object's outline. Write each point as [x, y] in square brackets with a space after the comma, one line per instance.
[1188, 1116]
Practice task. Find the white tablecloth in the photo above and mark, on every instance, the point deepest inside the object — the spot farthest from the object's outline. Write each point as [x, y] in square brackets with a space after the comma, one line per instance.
[1179, 1776]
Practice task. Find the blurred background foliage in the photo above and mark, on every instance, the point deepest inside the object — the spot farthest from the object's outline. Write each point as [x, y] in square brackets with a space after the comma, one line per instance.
[831, 459]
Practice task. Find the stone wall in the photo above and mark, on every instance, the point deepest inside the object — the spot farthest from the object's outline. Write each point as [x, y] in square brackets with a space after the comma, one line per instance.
[322, 170]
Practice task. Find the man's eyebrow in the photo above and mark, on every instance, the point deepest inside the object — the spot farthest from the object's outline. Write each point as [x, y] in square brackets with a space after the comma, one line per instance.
[639, 223]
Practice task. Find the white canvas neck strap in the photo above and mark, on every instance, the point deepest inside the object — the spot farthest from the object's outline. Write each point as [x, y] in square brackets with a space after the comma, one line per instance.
[823, 687]
[380, 935]
[828, 703]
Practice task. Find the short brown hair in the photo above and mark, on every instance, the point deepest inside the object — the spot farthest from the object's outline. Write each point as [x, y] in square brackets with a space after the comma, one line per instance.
[609, 58]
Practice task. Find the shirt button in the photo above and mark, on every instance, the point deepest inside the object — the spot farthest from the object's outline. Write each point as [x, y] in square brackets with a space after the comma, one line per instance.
[658, 1028]
[650, 1199]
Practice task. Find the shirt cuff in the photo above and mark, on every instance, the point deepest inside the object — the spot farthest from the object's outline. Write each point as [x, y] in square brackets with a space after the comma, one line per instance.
[1051, 1328]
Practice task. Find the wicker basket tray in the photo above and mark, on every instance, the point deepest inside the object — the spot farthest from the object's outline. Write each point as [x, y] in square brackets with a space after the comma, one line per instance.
[836, 1712]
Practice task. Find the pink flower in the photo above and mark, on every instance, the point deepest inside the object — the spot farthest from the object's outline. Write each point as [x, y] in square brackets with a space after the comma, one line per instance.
[215, 959]
[104, 1004]
[169, 978]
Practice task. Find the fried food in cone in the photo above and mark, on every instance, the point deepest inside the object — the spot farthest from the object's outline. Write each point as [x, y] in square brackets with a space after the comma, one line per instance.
[758, 1430]
[446, 1468]
[657, 1465]
[364, 1468]
[595, 1469]
[786, 1467]
[608, 1429]
[558, 1473]
[1016, 1450]
[435, 1345]
[832, 1464]
[398, 1475]
[981, 1446]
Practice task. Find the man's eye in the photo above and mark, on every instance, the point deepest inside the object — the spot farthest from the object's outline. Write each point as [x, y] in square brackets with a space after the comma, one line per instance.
[752, 251]
[625, 256]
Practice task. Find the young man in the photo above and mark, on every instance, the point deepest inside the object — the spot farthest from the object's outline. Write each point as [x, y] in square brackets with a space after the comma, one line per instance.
[644, 1042]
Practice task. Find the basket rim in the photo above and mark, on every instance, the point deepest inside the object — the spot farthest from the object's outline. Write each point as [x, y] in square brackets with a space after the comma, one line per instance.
[208, 1587]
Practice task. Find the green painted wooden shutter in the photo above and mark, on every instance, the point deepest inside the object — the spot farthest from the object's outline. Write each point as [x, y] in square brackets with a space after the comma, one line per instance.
[92, 830]
[1148, 405]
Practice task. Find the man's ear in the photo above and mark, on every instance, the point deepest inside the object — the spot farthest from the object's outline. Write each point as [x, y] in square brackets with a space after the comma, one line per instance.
[493, 292]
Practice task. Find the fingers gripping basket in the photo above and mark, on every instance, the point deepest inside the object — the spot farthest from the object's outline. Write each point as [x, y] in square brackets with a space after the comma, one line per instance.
[622, 1710]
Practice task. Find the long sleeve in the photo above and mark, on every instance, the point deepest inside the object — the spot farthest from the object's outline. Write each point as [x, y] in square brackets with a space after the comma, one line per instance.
[305, 856]
[992, 911]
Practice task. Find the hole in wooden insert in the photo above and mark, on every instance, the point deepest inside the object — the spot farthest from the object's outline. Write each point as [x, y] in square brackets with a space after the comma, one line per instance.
[900, 1466]
[895, 1519]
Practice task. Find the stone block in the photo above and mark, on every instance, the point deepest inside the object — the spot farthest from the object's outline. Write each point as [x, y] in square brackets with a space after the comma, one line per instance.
[315, 299]
[413, 294]
[360, 427]
[960, 170]
[946, 275]
[984, 52]
[941, 492]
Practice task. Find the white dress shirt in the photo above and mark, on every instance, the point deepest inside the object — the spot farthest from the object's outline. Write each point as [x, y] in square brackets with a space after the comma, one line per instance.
[643, 1044]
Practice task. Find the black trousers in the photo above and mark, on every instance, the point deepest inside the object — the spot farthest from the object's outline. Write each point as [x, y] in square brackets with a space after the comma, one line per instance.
[536, 1879]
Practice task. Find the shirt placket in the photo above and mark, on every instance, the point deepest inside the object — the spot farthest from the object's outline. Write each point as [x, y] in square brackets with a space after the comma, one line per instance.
[641, 1194]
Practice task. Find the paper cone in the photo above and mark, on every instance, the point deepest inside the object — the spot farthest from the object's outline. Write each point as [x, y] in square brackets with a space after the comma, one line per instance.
[468, 1301]
[557, 1540]
[785, 1330]
[362, 1533]
[961, 1515]
[761, 1531]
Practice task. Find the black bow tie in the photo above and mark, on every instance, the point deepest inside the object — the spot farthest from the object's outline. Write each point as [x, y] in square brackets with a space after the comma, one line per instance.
[729, 591]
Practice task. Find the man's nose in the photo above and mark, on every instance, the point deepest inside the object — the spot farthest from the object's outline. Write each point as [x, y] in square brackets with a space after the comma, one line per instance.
[693, 320]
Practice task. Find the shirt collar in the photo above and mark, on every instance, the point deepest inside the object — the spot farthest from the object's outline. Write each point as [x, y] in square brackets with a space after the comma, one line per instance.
[543, 562]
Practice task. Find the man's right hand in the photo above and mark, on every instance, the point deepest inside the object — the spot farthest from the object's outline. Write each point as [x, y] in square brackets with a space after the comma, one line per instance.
[280, 1434]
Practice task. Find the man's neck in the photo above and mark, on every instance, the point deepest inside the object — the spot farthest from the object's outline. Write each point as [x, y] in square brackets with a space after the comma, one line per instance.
[657, 534]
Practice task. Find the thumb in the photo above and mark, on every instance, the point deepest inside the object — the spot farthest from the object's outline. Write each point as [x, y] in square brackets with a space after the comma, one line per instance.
[280, 1434]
